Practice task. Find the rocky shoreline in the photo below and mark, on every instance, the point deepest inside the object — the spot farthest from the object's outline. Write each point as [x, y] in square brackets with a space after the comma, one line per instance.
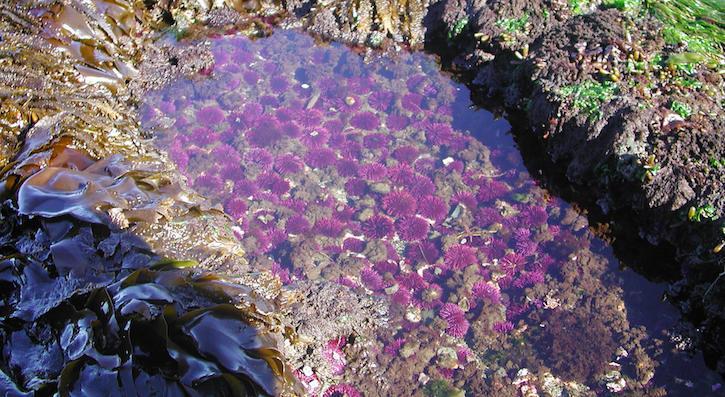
[627, 126]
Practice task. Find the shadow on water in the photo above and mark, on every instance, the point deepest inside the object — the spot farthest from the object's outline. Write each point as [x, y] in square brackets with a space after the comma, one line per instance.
[681, 365]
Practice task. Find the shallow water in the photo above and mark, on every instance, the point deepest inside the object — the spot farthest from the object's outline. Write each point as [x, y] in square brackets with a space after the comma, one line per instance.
[378, 174]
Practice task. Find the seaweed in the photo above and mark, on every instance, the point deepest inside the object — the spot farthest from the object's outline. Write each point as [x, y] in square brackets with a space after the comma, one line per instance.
[695, 23]
[589, 96]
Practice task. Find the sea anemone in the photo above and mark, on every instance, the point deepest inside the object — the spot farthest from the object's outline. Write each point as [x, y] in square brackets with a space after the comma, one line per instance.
[457, 325]
[266, 132]
[372, 172]
[412, 228]
[288, 164]
[320, 157]
[377, 226]
[399, 203]
[459, 256]
[329, 227]
[433, 207]
[209, 115]
[365, 121]
[297, 224]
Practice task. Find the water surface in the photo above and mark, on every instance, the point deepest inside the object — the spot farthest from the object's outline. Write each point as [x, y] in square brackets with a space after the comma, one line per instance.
[378, 174]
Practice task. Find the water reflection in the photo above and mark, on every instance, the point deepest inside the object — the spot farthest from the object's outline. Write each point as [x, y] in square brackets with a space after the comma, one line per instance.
[365, 172]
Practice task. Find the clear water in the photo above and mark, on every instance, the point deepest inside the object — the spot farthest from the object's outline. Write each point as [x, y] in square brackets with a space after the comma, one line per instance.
[378, 174]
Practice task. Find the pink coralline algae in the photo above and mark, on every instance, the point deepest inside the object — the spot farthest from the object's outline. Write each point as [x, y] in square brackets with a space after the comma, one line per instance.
[334, 355]
[318, 151]
[342, 390]
[455, 318]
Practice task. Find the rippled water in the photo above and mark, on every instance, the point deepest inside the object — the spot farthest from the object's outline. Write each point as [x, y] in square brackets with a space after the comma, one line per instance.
[379, 175]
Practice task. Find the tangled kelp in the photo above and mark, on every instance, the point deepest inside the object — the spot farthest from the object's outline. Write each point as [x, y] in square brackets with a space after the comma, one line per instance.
[79, 301]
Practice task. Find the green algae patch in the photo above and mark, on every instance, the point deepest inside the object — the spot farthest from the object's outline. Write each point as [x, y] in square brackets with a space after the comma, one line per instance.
[695, 23]
[589, 96]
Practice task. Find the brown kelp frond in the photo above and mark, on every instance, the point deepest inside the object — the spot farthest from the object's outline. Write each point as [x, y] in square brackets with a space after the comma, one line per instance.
[114, 317]
[64, 88]
[370, 22]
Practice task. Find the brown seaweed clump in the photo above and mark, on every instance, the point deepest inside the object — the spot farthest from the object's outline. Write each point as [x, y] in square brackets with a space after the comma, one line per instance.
[576, 346]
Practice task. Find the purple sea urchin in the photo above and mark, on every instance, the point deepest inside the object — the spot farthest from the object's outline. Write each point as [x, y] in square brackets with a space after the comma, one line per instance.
[399, 203]
[378, 226]
[455, 318]
[459, 256]
[365, 121]
[412, 228]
